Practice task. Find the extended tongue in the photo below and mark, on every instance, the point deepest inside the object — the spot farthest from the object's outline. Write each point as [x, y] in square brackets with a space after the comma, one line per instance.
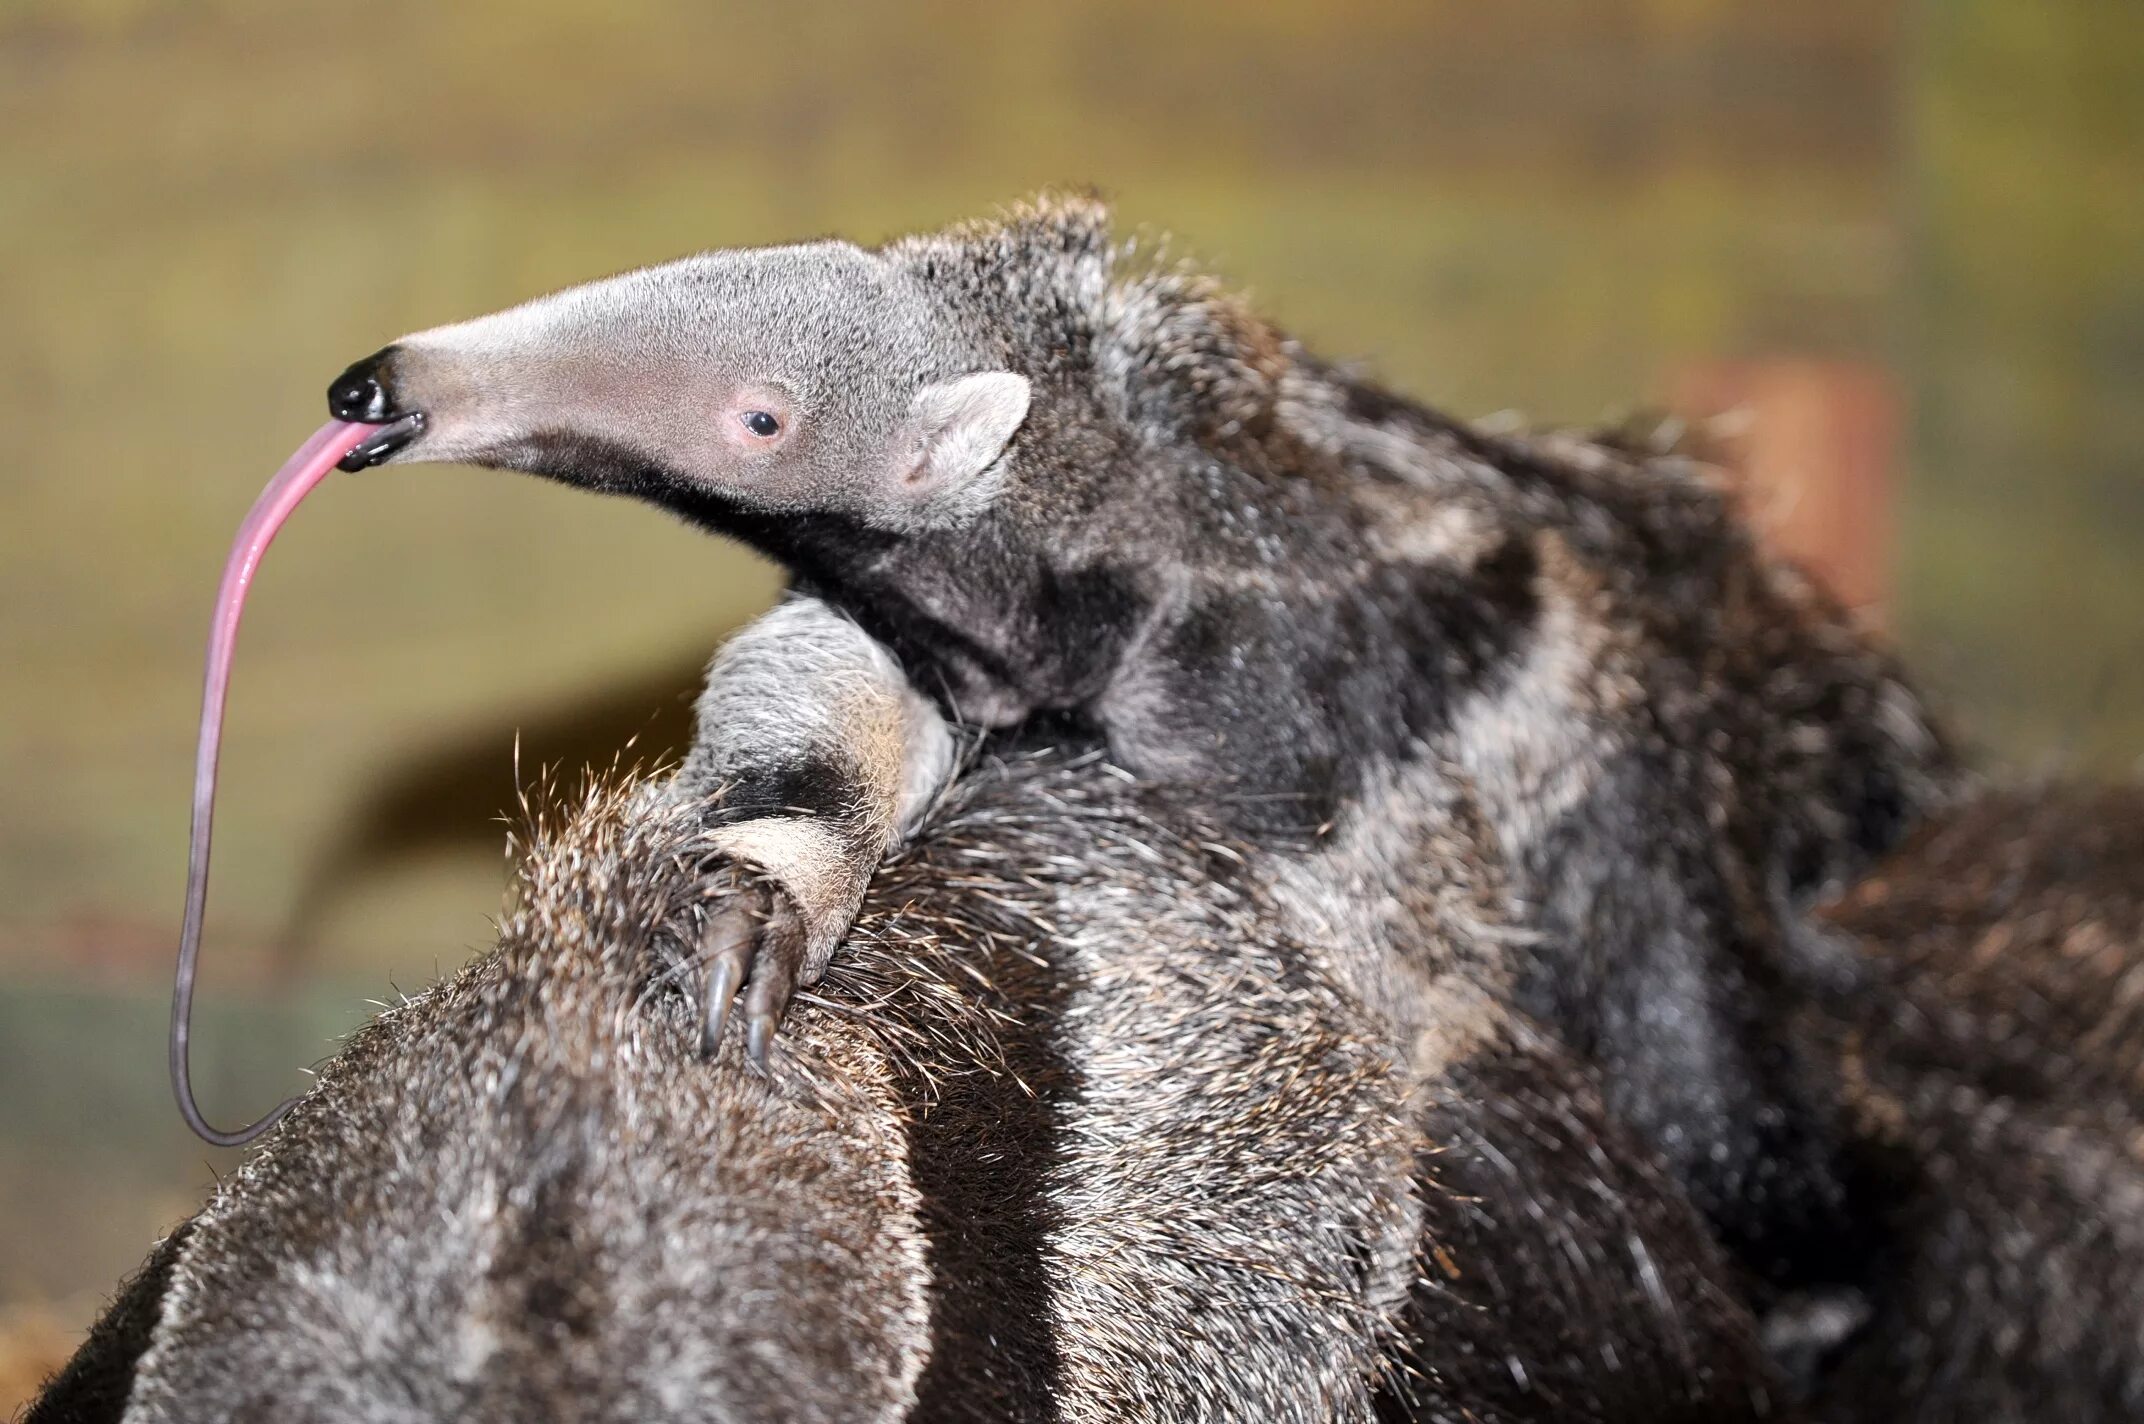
[328, 447]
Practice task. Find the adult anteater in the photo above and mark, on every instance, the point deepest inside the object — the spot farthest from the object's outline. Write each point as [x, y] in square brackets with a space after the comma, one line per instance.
[1075, 1129]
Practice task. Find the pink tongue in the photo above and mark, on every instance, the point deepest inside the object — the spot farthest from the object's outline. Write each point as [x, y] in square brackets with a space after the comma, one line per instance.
[291, 484]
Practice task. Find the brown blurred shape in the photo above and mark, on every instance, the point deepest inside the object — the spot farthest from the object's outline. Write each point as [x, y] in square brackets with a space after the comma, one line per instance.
[1816, 442]
[33, 1344]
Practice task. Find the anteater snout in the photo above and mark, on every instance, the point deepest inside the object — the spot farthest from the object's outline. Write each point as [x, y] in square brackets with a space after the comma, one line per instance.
[365, 392]
[361, 393]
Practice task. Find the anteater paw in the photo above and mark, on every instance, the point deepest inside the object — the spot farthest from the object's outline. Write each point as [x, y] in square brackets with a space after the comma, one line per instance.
[752, 946]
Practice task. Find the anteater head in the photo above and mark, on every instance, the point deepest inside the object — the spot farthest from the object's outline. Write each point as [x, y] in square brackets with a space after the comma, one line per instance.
[819, 378]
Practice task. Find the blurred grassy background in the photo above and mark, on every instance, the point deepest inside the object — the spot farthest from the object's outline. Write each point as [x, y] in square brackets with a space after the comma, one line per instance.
[207, 209]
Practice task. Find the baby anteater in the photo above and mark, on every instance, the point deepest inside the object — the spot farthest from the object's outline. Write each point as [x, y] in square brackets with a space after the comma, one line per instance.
[1018, 472]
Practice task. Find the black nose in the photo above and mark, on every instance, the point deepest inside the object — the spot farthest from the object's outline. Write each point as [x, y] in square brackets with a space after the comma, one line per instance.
[366, 393]
[361, 393]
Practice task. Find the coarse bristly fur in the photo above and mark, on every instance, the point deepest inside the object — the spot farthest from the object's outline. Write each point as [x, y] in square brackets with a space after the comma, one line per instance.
[1074, 1131]
[1989, 1017]
[1233, 562]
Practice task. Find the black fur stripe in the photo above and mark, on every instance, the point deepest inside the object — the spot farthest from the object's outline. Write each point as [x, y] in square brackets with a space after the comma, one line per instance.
[984, 1148]
[821, 786]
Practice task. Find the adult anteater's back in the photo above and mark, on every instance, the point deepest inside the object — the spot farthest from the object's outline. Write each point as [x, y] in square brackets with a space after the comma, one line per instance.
[1075, 1131]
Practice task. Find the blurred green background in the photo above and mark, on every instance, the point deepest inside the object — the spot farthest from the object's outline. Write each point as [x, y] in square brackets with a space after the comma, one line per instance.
[207, 209]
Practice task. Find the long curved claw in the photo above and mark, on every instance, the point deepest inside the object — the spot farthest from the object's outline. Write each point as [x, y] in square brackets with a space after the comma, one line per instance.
[729, 944]
[774, 978]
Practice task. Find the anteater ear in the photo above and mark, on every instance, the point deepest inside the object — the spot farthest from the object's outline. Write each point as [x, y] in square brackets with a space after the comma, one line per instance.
[957, 429]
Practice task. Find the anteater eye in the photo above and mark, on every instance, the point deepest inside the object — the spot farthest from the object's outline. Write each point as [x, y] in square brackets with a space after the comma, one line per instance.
[761, 424]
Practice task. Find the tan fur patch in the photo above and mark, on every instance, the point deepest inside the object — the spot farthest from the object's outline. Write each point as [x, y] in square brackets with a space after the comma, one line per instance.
[806, 858]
